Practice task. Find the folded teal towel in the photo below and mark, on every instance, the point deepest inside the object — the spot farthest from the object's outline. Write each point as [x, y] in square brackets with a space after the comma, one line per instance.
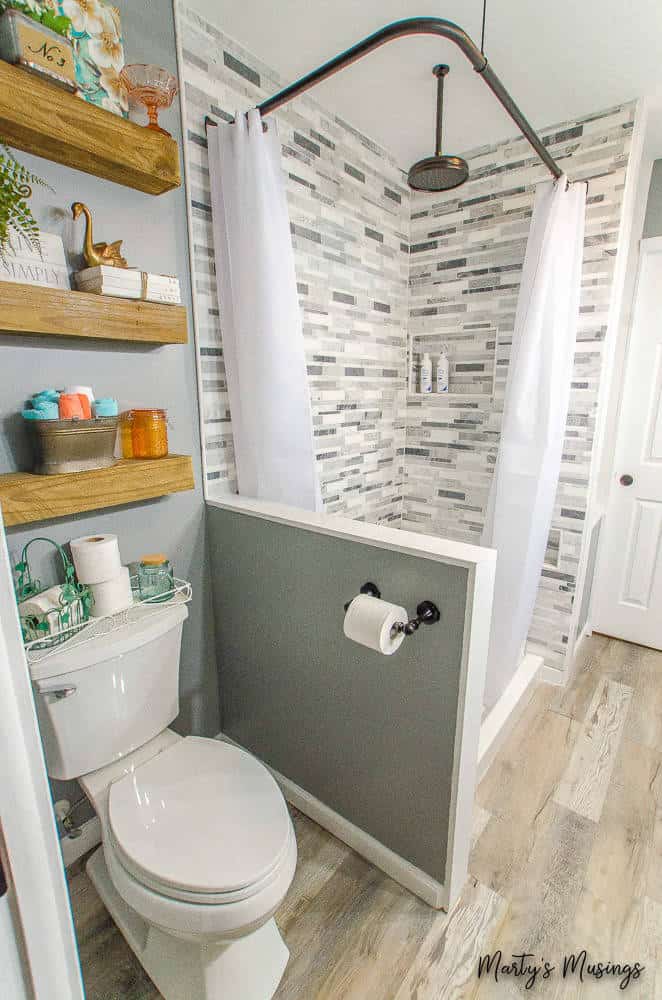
[45, 396]
[105, 407]
[42, 411]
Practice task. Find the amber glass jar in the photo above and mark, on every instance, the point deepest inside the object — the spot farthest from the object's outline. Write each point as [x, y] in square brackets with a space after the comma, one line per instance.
[149, 434]
[126, 433]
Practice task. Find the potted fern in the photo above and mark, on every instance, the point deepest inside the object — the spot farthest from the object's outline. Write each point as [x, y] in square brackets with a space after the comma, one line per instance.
[35, 36]
[16, 183]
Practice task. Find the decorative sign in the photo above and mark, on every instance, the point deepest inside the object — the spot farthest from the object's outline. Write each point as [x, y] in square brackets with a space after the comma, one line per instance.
[23, 263]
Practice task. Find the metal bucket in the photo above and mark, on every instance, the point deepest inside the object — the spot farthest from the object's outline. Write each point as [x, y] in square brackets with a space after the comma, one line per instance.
[73, 445]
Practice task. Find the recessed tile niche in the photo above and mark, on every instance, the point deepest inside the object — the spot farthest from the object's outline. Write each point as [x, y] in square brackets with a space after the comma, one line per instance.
[472, 354]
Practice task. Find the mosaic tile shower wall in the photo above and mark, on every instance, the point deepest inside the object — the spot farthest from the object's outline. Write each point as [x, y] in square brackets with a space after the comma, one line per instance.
[349, 211]
[373, 262]
[467, 251]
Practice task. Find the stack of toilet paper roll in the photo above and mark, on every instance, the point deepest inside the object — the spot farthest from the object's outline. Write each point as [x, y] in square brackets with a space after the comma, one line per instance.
[99, 566]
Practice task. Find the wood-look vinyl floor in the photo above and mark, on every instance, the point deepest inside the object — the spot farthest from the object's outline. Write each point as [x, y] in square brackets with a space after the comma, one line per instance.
[567, 854]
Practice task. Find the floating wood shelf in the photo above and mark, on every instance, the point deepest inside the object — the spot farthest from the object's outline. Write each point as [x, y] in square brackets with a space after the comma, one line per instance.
[41, 118]
[36, 309]
[25, 497]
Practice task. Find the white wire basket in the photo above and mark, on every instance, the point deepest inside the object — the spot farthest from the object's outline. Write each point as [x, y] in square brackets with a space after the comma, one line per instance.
[140, 609]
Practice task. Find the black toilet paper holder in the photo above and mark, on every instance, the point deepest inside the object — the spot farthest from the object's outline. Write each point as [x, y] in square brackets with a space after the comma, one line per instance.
[427, 612]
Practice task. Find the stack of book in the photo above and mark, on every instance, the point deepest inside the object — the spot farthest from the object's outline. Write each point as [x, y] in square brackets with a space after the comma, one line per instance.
[129, 283]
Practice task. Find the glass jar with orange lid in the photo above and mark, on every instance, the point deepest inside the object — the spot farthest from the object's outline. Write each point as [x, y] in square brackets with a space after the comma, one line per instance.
[156, 581]
[144, 433]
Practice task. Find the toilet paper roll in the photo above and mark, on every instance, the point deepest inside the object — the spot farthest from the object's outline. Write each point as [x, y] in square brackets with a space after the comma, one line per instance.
[111, 596]
[369, 621]
[49, 600]
[45, 606]
[96, 558]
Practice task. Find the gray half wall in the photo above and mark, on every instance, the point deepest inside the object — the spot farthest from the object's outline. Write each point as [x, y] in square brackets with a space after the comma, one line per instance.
[371, 736]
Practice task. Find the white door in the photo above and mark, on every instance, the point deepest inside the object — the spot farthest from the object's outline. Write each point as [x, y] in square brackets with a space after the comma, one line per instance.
[38, 950]
[628, 586]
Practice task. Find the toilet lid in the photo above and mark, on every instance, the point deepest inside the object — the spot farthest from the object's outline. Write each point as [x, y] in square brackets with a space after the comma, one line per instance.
[202, 816]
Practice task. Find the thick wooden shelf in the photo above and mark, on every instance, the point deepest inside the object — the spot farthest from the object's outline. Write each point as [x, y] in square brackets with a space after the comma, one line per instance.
[46, 120]
[35, 309]
[25, 497]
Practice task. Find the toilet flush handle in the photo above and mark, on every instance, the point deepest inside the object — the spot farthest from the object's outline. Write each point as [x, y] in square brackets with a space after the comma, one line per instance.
[56, 691]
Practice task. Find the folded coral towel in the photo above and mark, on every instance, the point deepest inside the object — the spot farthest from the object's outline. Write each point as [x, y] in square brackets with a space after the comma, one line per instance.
[72, 408]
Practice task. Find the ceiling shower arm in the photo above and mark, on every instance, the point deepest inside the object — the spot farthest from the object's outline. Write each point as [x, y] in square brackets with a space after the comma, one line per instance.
[440, 72]
[416, 26]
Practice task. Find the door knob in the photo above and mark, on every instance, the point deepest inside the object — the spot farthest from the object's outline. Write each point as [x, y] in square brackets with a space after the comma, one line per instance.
[626, 480]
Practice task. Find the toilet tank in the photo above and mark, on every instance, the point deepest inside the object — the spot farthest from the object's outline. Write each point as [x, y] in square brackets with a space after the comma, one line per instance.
[100, 697]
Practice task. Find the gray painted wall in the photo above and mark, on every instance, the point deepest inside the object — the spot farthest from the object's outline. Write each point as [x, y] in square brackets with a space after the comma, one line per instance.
[155, 237]
[653, 220]
[371, 736]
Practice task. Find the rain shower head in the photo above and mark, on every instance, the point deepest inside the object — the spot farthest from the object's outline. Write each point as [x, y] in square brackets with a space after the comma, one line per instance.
[438, 172]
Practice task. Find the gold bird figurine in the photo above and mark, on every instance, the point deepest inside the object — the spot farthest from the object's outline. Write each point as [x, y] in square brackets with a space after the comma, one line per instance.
[97, 253]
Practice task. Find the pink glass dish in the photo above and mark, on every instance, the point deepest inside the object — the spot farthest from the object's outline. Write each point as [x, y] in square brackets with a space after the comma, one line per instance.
[151, 86]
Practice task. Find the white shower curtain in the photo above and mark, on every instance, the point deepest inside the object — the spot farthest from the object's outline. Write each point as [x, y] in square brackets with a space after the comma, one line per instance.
[525, 481]
[263, 346]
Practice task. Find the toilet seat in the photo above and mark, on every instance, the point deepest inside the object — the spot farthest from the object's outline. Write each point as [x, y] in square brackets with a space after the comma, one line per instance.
[203, 822]
[196, 921]
[210, 899]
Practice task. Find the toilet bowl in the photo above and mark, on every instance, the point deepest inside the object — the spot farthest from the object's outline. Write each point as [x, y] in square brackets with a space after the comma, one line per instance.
[198, 848]
[198, 844]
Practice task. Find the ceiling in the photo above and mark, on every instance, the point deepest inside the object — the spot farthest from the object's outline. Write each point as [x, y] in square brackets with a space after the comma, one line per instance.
[558, 61]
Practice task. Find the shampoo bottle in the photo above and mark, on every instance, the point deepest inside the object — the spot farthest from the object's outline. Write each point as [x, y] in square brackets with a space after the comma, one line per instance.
[442, 371]
[425, 377]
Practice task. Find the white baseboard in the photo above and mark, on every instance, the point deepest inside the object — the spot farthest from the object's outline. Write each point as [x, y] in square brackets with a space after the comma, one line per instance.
[399, 869]
[500, 720]
[550, 675]
[74, 848]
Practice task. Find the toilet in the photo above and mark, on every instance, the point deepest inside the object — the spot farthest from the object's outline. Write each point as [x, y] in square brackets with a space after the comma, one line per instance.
[198, 849]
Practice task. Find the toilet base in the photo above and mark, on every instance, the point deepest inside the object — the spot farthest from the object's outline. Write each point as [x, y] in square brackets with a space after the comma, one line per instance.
[249, 967]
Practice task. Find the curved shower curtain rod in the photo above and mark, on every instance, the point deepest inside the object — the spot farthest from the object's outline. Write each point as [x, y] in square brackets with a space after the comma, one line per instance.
[399, 29]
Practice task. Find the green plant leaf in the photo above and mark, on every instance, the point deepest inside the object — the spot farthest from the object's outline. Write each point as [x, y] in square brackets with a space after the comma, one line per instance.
[43, 15]
[59, 23]
[16, 183]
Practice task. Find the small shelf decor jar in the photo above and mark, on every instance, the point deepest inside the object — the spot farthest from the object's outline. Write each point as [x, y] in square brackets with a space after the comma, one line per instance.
[156, 581]
[27, 40]
[144, 433]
